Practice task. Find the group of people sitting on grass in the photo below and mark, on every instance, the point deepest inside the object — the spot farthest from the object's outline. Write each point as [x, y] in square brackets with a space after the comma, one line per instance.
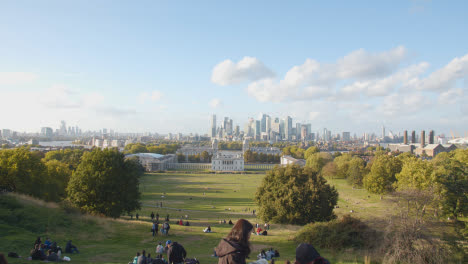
[175, 254]
[269, 254]
[235, 248]
[50, 251]
[224, 221]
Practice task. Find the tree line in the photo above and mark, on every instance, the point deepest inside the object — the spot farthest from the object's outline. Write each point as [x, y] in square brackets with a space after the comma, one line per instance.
[203, 157]
[97, 181]
[288, 194]
[254, 157]
[445, 177]
[162, 149]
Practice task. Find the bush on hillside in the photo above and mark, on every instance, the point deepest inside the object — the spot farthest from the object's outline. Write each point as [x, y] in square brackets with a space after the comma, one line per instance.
[295, 195]
[346, 232]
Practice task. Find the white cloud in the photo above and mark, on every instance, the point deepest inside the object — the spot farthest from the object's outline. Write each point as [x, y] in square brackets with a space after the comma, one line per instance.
[17, 78]
[384, 86]
[361, 64]
[215, 103]
[153, 96]
[312, 80]
[60, 96]
[313, 115]
[445, 77]
[450, 97]
[156, 95]
[247, 69]
[398, 105]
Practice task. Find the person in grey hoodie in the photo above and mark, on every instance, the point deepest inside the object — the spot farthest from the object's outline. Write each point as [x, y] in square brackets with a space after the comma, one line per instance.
[235, 247]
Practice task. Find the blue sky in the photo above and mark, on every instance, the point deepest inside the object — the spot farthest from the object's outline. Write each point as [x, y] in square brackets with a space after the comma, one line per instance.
[165, 66]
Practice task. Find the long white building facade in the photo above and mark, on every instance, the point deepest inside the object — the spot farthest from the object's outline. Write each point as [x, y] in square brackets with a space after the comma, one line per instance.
[228, 161]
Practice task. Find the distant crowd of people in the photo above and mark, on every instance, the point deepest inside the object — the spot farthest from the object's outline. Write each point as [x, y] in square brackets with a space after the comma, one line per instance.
[235, 248]
[175, 254]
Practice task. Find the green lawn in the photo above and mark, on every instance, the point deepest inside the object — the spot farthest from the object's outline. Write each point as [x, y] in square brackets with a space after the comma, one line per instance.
[204, 198]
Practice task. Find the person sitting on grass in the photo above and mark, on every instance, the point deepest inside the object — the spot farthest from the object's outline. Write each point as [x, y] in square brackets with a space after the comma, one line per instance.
[38, 241]
[37, 254]
[47, 243]
[149, 259]
[306, 254]
[230, 222]
[159, 260]
[142, 258]
[52, 256]
[135, 259]
[262, 255]
[207, 230]
[259, 231]
[70, 248]
[187, 223]
[159, 248]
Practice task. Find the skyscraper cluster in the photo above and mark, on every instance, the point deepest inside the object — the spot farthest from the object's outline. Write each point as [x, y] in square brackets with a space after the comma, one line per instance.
[266, 129]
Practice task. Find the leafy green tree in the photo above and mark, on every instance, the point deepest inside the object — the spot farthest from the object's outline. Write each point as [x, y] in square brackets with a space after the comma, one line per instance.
[248, 156]
[451, 174]
[106, 183]
[342, 165]
[22, 171]
[135, 148]
[205, 156]
[56, 180]
[415, 174]
[318, 160]
[356, 171]
[295, 195]
[382, 174]
[71, 157]
[180, 157]
[329, 170]
[310, 151]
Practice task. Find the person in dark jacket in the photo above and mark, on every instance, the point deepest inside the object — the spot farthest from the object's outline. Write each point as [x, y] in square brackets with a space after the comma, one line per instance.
[52, 256]
[142, 258]
[306, 254]
[176, 253]
[70, 248]
[235, 248]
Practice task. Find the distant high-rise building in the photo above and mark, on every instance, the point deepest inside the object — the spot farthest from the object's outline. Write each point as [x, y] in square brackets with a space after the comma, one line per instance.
[237, 131]
[423, 138]
[304, 134]
[413, 137]
[282, 129]
[268, 124]
[63, 127]
[6, 133]
[263, 123]
[346, 136]
[258, 127]
[288, 128]
[298, 131]
[47, 131]
[275, 127]
[405, 137]
[431, 137]
[213, 126]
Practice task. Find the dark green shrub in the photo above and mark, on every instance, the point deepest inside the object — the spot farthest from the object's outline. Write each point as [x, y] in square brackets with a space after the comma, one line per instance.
[346, 232]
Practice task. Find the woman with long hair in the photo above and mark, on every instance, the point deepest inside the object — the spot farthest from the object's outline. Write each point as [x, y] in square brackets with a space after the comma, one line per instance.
[235, 247]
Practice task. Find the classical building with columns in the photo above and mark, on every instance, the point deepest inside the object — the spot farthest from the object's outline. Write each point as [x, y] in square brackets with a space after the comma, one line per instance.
[227, 161]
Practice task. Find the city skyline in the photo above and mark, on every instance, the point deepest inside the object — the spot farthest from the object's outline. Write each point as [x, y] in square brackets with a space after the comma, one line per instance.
[161, 67]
